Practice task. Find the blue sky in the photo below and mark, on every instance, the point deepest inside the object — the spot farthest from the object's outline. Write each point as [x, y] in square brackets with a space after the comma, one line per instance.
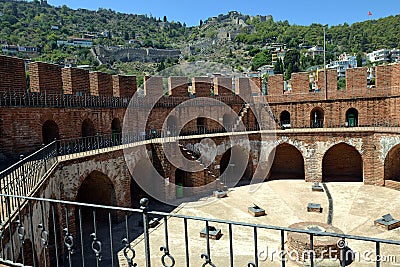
[330, 12]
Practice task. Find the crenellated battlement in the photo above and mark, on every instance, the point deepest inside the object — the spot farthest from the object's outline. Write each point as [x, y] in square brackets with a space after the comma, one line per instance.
[303, 86]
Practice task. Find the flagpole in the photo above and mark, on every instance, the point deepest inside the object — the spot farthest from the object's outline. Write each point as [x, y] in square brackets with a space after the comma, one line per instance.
[325, 74]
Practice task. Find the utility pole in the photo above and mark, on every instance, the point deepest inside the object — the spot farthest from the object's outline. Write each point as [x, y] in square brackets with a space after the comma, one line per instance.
[325, 74]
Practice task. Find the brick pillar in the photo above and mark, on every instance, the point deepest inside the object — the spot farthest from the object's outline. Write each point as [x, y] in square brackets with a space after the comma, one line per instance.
[101, 84]
[222, 86]
[331, 83]
[275, 85]
[153, 86]
[178, 86]
[45, 77]
[300, 83]
[202, 86]
[124, 86]
[395, 71]
[12, 75]
[75, 81]
[383, 79]
[243, 87]
[356, 82]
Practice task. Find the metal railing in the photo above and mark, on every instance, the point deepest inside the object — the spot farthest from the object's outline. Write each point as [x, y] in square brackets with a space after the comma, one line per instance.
[66, 233]
[9, 98]
[23, 177]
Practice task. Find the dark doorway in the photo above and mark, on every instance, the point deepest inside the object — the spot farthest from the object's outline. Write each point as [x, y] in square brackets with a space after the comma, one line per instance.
[50, 132]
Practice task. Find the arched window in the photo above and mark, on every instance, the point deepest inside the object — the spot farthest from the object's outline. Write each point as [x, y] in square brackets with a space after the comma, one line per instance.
[50, 132]
[285, 119]
[352, 117]
[87, 128]
[228, 121]
[317, 118]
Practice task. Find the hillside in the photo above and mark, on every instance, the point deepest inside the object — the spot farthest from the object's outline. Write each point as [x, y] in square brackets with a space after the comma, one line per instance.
[236, 40]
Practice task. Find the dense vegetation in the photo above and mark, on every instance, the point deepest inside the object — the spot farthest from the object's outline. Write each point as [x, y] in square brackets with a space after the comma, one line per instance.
[31, 23]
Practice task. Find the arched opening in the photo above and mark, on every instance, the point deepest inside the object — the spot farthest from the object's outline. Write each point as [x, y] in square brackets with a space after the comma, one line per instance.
[228, 121]
[201, 125]
[88, 128]
[145, 178]
[116, 126]
[236, 166]
[50, 132]
[285, 119]
[288, 163]
[317, 118]
[27, 255]
[116, 130]
[183, 182]
[392, 165]
[172, 124]
[342, 163]
[98, 189]
[352, 117]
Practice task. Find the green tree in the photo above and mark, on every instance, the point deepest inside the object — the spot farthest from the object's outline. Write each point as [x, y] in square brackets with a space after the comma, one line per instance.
[165, 19]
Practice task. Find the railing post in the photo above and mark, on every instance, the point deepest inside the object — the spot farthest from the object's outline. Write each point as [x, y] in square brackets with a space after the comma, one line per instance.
[144, 203]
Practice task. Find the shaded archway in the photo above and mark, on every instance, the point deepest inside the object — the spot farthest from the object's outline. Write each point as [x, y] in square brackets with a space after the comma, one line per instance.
[342, 163]
[236, 165]
[97, 188]
[116, 126]
[116, 131]
[317, 118]
[183, 182]
[88, 128]
[172, 124]
[284, 119]
[145, 178]
[228, 121]
[201, 125]
[352, 117]
[50, 132]
[288, 163]
[392, 164]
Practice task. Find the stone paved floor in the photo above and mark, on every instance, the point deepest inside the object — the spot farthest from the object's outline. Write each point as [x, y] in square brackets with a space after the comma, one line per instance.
[356, 206]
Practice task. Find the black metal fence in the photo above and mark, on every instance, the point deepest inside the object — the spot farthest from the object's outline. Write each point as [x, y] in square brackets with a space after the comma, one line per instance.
[9, 98]
[23, 177]
[59, 233]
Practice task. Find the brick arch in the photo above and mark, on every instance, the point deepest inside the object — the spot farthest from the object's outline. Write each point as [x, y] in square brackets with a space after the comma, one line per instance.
[342, 163]
[88, 128]
[143, 178]
[317, 117]
[240, 163]
[50, 132]
[287, 163]
[352, 117]
[392, 164]
[96, 188]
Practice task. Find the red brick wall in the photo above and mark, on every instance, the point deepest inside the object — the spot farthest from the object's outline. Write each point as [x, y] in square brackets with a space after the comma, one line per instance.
[75, 81]
[12, 75]
[202, 86]
[300, 83]
[101, 84]
[124, 86]
[222, 86]
[153, 86]
[178, 86]
[275, 84]
[331, 83]
[243, 87]
[356, 82]
[45, 77]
